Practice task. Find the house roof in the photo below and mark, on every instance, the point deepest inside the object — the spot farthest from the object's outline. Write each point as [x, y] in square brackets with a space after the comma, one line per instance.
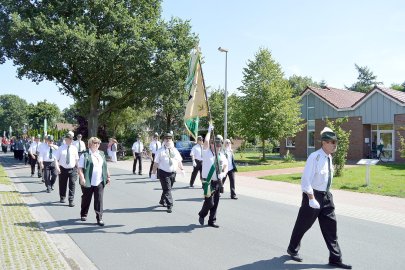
[65, 126]
[347, 99]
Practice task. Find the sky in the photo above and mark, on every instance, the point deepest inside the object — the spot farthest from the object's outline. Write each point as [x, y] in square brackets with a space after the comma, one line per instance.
[316, 38]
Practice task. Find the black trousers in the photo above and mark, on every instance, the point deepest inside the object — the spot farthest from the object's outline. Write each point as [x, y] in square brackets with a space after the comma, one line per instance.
[196, 169]
[231, 175]
[50, 174]
[151, 165]
[4, 148]
[138, 157]
[167, 180]
[211, 204]
[87, 193]
[67, 176]
[34, 162]
[327, 221]
[19, 154]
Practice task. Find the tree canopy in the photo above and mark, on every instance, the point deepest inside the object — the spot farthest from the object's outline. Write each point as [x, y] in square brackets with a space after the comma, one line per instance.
[13, 112]
[269, 110]
[365, 80]
[299, 83]
[104, 54]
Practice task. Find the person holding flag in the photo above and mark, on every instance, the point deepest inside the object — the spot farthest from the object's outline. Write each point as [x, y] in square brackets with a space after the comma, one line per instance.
[214, 169]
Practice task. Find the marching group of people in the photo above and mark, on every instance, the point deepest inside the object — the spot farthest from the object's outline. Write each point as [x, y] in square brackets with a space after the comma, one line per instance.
[211, 157]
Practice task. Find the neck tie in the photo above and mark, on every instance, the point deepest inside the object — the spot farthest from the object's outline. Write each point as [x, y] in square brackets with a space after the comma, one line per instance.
[201, 151]
[50, 152]
[329, 175]
[156, 147]
[80, 146]
[68, 156]
[36, 150]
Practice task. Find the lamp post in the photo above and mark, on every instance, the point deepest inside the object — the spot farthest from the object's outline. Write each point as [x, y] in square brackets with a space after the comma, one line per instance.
[226, 92]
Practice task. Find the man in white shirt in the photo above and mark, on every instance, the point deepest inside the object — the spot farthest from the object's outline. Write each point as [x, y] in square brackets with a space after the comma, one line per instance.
[33, 152]
[137, 149]
[196, 156]
[48, 162]
[154, 147]
[317, 201]
[80, 145]
[231, 168]
[68, 158]
[214, 169]
[167, 159]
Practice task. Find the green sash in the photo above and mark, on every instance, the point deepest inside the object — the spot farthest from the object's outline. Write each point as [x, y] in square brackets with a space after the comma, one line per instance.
[207, 183]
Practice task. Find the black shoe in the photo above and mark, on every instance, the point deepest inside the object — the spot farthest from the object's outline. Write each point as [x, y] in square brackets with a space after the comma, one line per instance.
[39, 175]
[212, 224]
[133, 172]
[52, 188]
[162, 203]
[140, 173]
[201, 221]
[191, 185]
[234, 198]
[169, 209]
[100, 222]
[83, 218]
[43, 181]
[71, 204]
[340, 265]
[48, 190]
[295, 256]
[32, 175]
[62, 200]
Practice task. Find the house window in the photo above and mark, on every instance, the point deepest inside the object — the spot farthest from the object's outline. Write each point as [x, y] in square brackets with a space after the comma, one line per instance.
[311, 138]
[290, 142]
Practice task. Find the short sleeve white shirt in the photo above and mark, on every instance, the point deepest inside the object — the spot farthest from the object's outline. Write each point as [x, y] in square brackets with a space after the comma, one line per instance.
[154, 146]
[97, 175]
[61, 156]
[208, 160]
[165, 163]
[196, 151]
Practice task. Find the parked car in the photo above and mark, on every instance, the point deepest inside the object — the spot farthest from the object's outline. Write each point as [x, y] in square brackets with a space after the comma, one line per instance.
[184, 148]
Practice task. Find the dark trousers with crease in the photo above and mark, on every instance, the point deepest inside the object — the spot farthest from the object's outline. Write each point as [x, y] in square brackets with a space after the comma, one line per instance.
[138, 157]
[151, 165]
[231, 175]
[196, 169]
[34, 162]
[67, 176]
[50, 174]
[211, 203]
[167, 180]
[88, 192]
[327, 221]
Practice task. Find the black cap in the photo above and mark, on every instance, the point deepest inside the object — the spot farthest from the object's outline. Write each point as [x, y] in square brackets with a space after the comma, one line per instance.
[68, 136]
[49, 138]
[168, 135]
[329, 136]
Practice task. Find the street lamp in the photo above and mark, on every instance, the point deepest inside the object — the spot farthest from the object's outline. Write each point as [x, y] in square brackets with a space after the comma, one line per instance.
[226, 92]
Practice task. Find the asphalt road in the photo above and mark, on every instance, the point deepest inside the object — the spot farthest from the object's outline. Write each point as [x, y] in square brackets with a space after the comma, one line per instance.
[254, 233]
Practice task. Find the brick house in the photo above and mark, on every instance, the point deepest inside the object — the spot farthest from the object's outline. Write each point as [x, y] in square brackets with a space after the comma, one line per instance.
[374, 118]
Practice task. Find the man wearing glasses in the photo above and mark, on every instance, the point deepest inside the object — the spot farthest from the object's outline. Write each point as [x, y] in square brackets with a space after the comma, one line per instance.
[317, 201]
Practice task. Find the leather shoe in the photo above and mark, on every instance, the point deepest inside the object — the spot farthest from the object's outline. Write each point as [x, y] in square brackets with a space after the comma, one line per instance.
[340, 265]
[62, 200]
[48, 190]
[162, 203]
[100, 222]
[234, 198]
[83, 218]
[213, 225]
[169, 209]
[201, 221]
[71, 204]
[295, 256]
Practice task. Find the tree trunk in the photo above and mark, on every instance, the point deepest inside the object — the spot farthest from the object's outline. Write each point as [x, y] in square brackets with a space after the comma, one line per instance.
[93, 116]
[263, 149]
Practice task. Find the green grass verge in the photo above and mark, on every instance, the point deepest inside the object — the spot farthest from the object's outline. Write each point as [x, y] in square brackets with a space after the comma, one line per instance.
[23, 244]
[385, 179]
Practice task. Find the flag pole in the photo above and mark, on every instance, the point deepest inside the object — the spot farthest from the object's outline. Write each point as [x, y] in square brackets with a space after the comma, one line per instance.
[212, 131]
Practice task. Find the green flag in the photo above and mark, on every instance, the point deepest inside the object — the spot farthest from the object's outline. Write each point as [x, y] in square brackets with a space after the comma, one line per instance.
[197, 99]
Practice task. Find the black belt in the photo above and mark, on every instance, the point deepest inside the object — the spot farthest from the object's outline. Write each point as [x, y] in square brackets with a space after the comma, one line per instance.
[320, 192]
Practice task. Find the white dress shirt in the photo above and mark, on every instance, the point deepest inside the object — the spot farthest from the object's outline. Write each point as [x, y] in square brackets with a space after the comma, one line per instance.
[196, 151]
[316, 172]
[61, 156]
[34, 148]
[208, 160]
[154, 146]
[44, 152]
[162, 158]
[81, 144]
[137, 147]
[229, 156]
[97, 174]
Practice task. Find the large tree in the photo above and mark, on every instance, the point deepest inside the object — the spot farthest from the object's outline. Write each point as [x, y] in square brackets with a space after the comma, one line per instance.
[365, 80]
[102, 53]
[13, 112]
[268, 109]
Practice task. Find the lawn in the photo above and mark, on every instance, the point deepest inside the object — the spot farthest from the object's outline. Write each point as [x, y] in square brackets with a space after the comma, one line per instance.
[386, 179]
[251, 161]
